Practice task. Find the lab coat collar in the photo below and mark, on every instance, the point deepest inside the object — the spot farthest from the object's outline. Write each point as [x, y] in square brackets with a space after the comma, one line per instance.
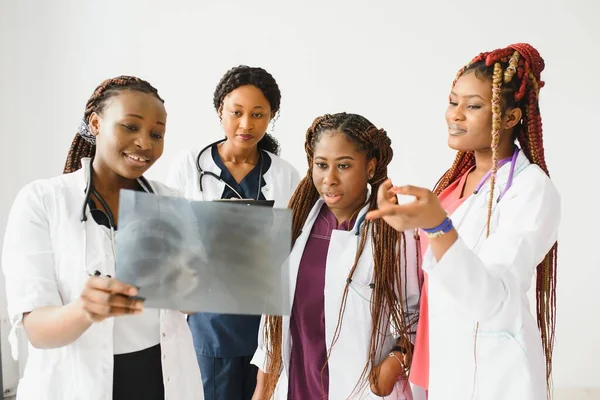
[358, 222]
[503, 173]
[84, 176]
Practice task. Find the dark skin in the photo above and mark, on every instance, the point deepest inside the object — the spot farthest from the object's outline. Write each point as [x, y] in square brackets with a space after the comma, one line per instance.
[129, 134]
[245, 115]
[469, 118]
[340, 173]
[129, 139]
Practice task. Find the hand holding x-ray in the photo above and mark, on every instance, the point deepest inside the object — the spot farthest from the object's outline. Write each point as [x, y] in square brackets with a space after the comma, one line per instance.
[204, 256]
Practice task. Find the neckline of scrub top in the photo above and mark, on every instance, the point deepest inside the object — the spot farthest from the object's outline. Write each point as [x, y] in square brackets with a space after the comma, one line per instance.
[247, 187]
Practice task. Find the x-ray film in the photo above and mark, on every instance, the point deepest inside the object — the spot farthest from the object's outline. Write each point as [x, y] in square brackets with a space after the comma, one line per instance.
[202, 256]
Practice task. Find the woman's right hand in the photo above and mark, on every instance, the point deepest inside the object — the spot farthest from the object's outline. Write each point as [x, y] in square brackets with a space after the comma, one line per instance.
[104, 297]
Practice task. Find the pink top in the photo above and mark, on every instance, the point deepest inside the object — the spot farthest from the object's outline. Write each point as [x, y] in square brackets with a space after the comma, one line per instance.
[419, 371]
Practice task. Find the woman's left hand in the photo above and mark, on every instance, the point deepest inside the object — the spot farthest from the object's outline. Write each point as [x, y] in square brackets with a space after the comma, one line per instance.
[387, 374]
[424, 212]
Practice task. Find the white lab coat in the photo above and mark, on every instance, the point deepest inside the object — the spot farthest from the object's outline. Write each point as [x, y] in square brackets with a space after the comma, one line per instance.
[350, 354]
[43, 262]
[280, 180]
[487, 280]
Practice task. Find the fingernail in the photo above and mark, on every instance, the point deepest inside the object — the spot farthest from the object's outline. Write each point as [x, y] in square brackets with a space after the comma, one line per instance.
[133, 292]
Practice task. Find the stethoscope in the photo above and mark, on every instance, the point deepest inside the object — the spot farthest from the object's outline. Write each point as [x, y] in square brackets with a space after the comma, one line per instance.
[89, 190]
[202, 172]
[511, 173]
[483, 181]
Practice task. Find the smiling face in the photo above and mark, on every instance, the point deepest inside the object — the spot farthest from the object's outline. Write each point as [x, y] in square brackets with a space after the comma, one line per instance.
[469, 115]
[129, 131]
[340, 173]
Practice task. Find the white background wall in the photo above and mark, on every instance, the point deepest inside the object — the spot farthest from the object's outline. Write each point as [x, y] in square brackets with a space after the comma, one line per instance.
[391, 61]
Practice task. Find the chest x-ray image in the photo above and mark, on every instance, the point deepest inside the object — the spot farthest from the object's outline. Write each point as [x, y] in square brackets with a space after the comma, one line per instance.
[200, 256]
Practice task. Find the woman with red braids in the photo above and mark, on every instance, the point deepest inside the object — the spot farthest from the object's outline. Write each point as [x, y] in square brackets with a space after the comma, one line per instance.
[488, 227]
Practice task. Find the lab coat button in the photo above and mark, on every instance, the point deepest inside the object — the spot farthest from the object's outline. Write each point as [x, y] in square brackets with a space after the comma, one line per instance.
[164, 334]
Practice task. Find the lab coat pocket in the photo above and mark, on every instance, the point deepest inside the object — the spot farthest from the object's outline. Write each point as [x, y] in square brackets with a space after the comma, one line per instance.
[358, 306]
[360, 291]
[502, 367]
[361, 283]
[357, 316]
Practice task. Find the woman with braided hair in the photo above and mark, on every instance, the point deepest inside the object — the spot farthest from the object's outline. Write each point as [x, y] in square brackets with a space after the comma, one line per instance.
[354, 283]
[491, 225]
[243, 165]
[58, 259]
